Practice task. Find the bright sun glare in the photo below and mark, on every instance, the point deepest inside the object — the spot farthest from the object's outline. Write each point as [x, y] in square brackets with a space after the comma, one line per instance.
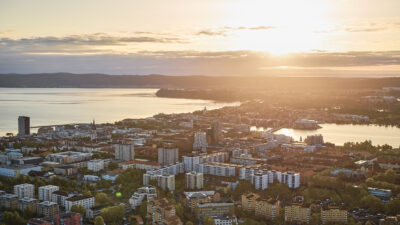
[293, 28]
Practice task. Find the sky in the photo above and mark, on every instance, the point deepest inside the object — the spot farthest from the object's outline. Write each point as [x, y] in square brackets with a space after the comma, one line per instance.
[202, 37]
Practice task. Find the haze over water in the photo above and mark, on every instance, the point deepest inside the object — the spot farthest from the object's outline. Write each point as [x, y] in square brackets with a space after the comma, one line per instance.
[50, 106]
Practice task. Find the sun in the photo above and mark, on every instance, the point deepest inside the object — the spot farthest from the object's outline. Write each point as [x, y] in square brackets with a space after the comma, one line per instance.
[293, 26]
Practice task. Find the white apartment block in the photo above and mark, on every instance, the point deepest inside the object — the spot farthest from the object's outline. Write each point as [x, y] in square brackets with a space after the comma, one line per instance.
[173, 169]
[291, 179]
[140, 194]
[46, 192]
[83, 200]
[259, 180]
[224, 220]
[124, 152]
[164, 181]
[191, 161]
[168, 156]
[95, 165]
[60, 197]
[200, 140]
[194, 180]
[217, 169]
[24, 190]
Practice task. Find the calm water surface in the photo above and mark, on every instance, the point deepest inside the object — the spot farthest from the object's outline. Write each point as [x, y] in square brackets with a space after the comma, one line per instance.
[339, 134]
[49, 106]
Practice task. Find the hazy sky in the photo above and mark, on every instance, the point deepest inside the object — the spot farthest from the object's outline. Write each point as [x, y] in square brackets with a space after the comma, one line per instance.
[209, 37]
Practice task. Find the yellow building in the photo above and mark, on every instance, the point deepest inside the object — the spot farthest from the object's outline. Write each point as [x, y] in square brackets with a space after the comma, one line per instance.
[267, 208]
[249, 201]
[297, 212]
[333, 214]
[160, 210]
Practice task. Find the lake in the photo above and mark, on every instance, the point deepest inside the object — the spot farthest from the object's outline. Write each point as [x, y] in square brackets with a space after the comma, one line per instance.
[50, 106]
[339, 134]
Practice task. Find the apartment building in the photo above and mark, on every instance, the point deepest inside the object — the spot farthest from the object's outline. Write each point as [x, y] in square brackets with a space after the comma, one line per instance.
[69, 218]
[60, 197]
[333, 214]
[9, 201]
[141, 164]
[137, 198]
[27, 203]
[47, 209]
[168, 156]
[194, 180]
[191, 161]
[161, 211]
[164, 181]
[213, 209]
[249, 201]
[124, 152]
[95, 165]
[216, 169]
[259, 180]
[191, 199]
[200, 140]
[297, 212]
[24, 190]
[46, 192]
[84, 200]
[267, 208]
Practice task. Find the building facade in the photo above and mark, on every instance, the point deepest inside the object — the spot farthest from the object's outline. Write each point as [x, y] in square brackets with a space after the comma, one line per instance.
[168, 156]
[46, 192]
[194, 180]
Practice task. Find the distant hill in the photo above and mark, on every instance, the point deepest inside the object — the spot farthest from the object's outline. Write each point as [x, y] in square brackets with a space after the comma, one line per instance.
[67, 80]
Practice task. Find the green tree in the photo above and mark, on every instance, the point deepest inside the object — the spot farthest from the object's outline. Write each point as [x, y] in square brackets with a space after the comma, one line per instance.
[373, 203]
[208, 220]
[12, 218]
[142, 211]
[393, 207]
[29, 213]
[102, 198]
[98, 220]
[113, 213]
[78, 209]
[112, 166]
[189, 223]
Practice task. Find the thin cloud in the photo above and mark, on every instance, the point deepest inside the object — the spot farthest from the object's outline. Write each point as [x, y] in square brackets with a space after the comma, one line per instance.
[223, 31]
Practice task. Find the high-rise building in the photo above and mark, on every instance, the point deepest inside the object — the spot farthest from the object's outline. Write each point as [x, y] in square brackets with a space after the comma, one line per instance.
[124, 152]
[200, 140]
[24, 190]
[166, 182]
[194, 180]
[259, 180]
[24, 126]
[215, 132]
[9, 201]
[27, 203]
[291, 179]
[46, 192]
[47, 209]
[167, 156]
